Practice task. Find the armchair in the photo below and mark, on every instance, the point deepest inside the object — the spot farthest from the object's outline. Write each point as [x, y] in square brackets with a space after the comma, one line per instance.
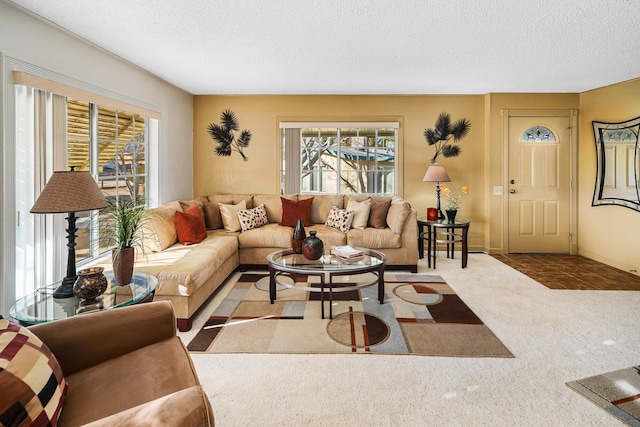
[126, 367]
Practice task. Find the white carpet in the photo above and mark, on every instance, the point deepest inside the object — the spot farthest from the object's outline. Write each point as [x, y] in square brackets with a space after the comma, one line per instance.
[556, 336]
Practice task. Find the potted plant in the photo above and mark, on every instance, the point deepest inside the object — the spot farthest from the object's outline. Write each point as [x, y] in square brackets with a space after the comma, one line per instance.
[121, 225]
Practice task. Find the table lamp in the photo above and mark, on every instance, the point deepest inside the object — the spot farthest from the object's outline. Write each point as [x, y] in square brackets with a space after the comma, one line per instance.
[69, 192]
[436, 173]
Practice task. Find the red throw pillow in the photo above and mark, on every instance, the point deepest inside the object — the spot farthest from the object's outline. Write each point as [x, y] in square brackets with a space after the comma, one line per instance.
[292, 210]
[190, 225]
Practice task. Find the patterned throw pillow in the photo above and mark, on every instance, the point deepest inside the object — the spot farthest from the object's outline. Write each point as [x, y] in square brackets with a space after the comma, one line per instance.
[340, 219]
[253, 218]
[33, 387]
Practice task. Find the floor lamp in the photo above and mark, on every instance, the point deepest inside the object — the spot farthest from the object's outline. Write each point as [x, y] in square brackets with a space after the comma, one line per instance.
[437, 173]
[69, 192]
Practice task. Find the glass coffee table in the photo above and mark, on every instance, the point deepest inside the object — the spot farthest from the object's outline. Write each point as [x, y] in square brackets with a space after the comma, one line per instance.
[286, 263]
[40, 306]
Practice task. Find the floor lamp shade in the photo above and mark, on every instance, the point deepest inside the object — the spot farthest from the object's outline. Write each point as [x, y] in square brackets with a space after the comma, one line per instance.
[70, 192]
[437, 173]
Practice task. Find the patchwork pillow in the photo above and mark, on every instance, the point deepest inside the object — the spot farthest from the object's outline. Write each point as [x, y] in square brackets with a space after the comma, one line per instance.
[190, 225]
[230, 215]
[292, 210]
[340, 219]
[253, 218]
[33, 385]
[360, 213]
[378, 214]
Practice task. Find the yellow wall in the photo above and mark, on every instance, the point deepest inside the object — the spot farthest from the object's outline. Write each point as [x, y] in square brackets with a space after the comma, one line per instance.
[261, 114]
[605, 233]
[610, 234]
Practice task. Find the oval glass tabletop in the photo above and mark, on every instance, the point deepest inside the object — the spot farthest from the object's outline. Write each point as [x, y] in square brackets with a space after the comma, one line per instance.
[287, 260]
[40, 306]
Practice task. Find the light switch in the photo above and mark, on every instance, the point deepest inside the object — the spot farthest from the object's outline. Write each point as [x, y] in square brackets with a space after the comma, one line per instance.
[497, 190]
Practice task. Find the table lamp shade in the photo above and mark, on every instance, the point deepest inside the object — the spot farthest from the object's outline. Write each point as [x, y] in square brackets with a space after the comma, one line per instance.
[436, 173]
[70, 191]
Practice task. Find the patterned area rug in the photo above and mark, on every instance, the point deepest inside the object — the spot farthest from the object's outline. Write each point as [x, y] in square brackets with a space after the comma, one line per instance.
[617, 392]
[421, 315]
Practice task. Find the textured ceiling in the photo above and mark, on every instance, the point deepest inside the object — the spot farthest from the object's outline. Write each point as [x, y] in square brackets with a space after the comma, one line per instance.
[366, 46]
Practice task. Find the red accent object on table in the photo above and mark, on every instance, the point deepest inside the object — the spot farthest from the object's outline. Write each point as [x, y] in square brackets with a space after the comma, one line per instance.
[432, 214]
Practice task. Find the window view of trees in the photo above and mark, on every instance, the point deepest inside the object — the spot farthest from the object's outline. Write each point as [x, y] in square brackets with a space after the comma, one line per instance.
[346, 160]
[111, 144]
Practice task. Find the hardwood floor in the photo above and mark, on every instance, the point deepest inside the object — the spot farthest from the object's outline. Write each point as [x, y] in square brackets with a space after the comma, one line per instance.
[557, 271]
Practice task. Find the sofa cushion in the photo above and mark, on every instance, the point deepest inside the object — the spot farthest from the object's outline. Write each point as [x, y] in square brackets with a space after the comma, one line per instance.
[200, 201]
[253, 218]
[188, 407]
[378, 214]
[33, 387]
[374, 238]
[181, 270]
[159, 227]
[360, 212]
[340, 219]
[134, 378]
[397, 215]
[212, 216]
[190, 225]
[292, 210]
[330, 236]
[273, 205]
[229, 215]
[267, 236]
[322, 204]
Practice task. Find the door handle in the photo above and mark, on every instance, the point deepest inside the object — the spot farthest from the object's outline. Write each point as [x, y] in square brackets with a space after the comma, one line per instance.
[513, 191]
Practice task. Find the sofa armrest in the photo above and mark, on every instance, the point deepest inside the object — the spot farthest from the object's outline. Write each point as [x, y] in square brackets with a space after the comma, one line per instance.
[89, 339]
[188, 407]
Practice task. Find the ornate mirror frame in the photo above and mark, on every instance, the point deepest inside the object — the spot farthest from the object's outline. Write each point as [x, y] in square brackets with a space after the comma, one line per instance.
[617, 164]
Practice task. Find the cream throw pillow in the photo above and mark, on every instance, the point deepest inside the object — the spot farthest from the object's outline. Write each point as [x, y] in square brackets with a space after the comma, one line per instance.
[361, 213]
[229, 215]
[159, 229]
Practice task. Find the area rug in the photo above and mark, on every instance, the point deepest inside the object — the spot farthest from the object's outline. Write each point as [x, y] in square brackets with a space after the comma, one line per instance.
[421, 315]
[617, 392]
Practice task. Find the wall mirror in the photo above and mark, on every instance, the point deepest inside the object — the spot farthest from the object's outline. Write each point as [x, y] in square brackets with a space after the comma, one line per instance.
[617, 164]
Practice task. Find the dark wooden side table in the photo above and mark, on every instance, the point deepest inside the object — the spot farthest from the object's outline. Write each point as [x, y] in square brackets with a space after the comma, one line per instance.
[442, 231]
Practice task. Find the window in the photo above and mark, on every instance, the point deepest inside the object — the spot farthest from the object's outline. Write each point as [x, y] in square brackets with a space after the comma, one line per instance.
[348, 158]
[111, 144]
[54, 132]
[538, 134]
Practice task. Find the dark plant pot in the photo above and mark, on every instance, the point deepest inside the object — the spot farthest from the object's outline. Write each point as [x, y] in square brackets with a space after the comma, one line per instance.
[123, 261]
[451, 215]
[298, 237]
[91, 283]
[312, 247]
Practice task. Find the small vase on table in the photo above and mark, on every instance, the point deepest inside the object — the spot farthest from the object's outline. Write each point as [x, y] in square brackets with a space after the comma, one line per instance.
[451, 215]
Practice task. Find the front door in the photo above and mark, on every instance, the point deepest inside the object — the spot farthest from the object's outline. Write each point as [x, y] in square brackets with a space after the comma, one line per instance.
[539, 184]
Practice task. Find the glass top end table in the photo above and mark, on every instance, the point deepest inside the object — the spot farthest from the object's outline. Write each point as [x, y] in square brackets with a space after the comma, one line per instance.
[40, 306]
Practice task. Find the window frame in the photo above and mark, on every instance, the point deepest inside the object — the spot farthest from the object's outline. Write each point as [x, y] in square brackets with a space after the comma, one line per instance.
[293, 162]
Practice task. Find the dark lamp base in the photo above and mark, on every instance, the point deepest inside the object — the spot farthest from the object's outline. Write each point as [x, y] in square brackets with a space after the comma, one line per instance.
[65, 290]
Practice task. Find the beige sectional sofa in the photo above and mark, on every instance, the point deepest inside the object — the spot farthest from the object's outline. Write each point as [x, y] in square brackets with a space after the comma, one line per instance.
[189, 275]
